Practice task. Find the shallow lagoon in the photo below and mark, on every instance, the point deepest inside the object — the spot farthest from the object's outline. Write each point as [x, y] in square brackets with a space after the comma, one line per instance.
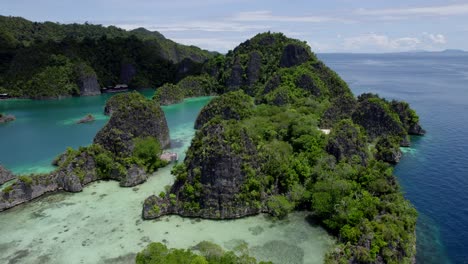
[103, 223]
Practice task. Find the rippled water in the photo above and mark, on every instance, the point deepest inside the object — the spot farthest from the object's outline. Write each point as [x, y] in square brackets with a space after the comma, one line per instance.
[103, 223]
[434, 171]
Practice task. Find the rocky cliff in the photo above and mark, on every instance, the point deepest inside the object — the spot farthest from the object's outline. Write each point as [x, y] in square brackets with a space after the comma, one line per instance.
[213, 179]
[87, 80]
[132, 116]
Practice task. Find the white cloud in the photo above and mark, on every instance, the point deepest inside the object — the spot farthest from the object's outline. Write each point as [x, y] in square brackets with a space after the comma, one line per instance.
[436, 38]
[381, 42]
[267, 16]
[446, 10]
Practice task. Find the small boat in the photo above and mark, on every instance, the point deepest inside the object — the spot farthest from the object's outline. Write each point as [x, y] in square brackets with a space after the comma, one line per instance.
[169, 157]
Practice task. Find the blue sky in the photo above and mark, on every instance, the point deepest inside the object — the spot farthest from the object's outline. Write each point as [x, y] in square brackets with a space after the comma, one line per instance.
[328, 26]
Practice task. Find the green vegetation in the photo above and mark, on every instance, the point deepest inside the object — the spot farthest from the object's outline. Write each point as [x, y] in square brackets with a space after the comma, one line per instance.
[147, 151]
[284, 162]
[139, 58]
[203, 253]
[234, 105]
[190, 86]
[28, 180]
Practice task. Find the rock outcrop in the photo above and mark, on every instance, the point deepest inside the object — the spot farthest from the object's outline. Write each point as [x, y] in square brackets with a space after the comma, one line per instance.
[87, 80]
[388, 149]
[26, 189]
[5, 175]
[132, 116]
[293, 55]
[6, 118]
[169, 94]
[376, 117]
[213, 179]
[86, 119]
[233, 105]
[347, 142]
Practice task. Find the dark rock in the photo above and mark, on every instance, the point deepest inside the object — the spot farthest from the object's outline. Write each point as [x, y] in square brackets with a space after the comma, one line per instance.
[6, 118]
[347, 141]
[87, 80]
[135, 175]
[408, 117]
[235, 80]
[5, 175]
[187, 67]
[273, 83]
[416, 129]
[21, 191]
[405, 142]
[127, 72]
[216, 175]
[294, 55]
[392, 157]
[341, 108]
[86, 119]
[254, 67]
[307, 83]
[132, 116]
[81, 170]
[388, 149]
[377, 118]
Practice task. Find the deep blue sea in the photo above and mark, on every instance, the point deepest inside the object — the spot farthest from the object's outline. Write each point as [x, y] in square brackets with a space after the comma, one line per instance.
[434, 171]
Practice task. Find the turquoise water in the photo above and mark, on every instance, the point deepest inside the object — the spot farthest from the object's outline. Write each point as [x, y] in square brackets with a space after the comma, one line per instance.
[103, 223]
[434, 171]
[44, 129]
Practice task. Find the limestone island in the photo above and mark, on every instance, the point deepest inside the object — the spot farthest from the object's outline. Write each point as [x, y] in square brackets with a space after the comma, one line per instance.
[286, 133]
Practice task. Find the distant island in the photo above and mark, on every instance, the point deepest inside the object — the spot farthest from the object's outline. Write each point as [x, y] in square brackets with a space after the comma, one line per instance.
[50, 60]
[284, 133]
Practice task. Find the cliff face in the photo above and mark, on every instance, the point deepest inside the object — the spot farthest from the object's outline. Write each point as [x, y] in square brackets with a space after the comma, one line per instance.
[347, 142]
[87, 81]
[294, 55]
[135, 116]
[214, 178]
[5, 175]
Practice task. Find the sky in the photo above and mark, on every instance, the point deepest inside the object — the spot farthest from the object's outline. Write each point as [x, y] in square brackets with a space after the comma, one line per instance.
[370, 26]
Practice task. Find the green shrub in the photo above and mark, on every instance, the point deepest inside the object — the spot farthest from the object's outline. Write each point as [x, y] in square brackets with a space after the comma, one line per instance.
[279, 206]
[147, 151]
[26, 179]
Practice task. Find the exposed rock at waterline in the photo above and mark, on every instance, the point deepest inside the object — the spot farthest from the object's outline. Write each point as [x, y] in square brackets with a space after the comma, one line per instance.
[86, 119]
[5, 175]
